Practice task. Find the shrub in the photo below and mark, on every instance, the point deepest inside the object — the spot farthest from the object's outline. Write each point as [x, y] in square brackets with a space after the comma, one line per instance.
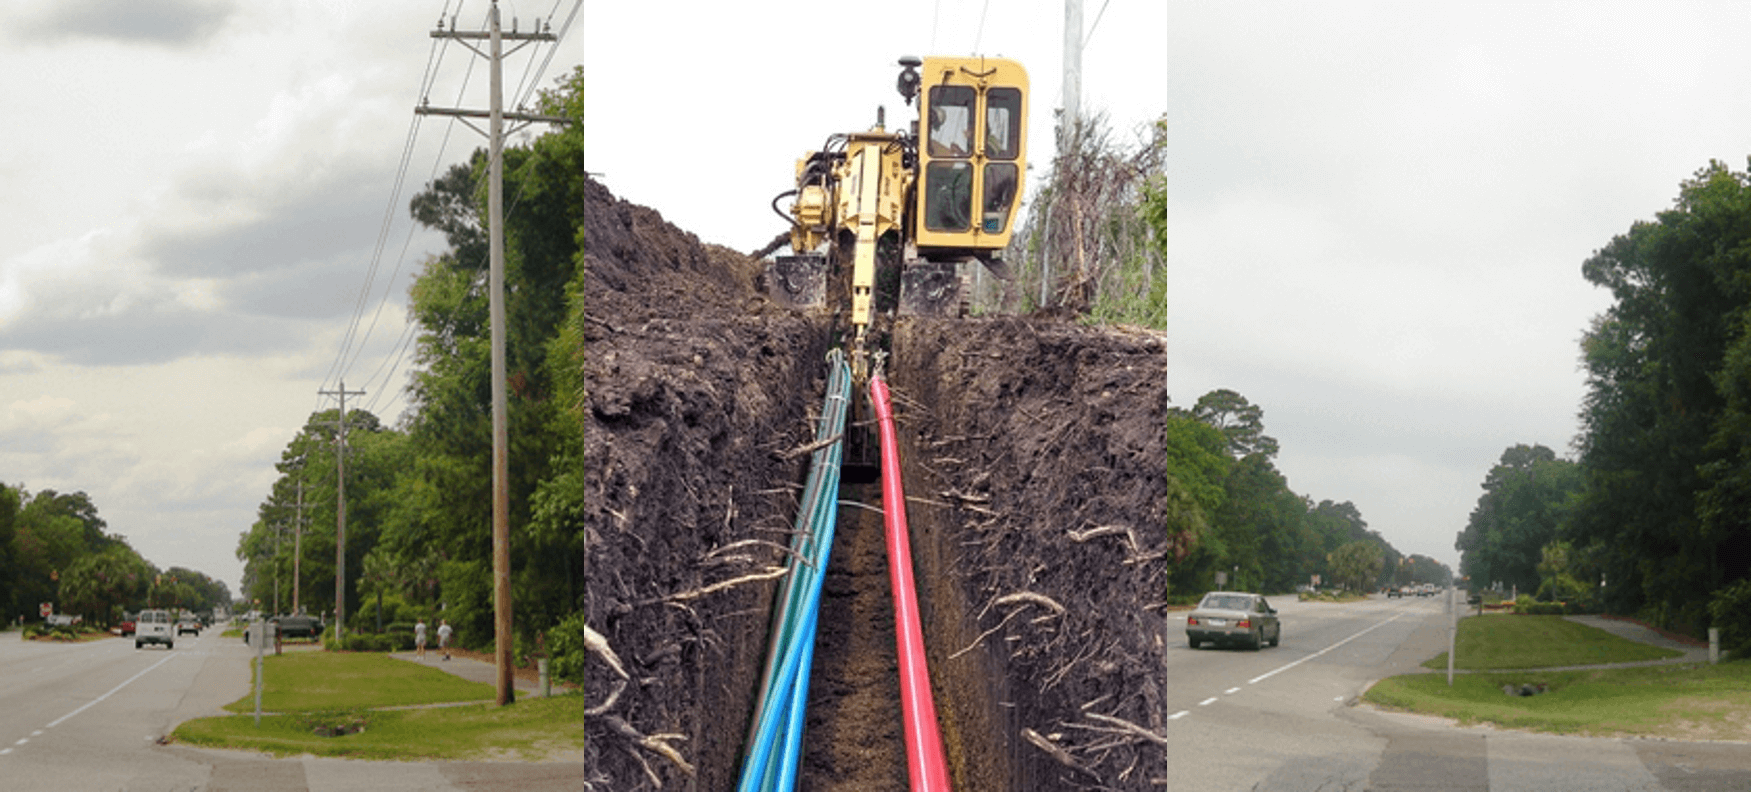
[371, 642]
[565, 642]
[1731, 609]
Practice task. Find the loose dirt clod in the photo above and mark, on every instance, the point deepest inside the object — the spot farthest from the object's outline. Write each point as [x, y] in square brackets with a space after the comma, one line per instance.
[1017, 427]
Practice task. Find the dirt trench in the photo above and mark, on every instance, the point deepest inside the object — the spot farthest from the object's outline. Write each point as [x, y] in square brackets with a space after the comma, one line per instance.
[1037, 496]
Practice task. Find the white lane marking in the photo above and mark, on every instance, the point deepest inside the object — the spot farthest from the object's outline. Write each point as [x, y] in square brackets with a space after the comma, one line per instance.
[1175, 716]
[1231, 691]
[23, 741]
[5, 751]
[1207, 702]
[112, 691]
[37, 733]
[1281, 669]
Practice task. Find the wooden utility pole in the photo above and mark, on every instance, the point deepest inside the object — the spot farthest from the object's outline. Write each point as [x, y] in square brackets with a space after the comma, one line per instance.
[501, 478]
[298, 541]
[340, 515]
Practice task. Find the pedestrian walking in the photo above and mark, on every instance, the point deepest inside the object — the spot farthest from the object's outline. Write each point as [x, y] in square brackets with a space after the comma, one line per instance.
[419, 639]
[444, 637]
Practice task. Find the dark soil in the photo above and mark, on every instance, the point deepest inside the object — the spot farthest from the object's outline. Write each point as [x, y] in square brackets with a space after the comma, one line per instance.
[1021, 438]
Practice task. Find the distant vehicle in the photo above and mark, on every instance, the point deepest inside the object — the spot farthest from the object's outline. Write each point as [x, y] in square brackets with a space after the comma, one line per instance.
[126, 625]
[154, 626]
[1233, 617]
[188, 624]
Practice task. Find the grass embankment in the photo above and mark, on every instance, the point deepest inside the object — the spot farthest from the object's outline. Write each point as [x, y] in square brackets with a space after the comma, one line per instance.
[1332, 596]
[1493, 642]
[1683, 701]
[318, 693]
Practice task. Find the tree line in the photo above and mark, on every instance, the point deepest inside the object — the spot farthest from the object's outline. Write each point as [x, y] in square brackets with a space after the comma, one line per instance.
[1652, 517]
[1236, 516]
[54, 548]
[418, 494]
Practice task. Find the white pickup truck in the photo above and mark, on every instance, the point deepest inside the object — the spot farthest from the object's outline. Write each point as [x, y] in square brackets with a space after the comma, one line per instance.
[155, 626]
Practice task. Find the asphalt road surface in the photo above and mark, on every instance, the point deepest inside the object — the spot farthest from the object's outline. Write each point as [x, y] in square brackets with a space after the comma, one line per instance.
[1284, 719]
[90, 716]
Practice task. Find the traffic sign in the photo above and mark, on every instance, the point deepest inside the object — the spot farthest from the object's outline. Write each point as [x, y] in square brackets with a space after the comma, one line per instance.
[47, 609]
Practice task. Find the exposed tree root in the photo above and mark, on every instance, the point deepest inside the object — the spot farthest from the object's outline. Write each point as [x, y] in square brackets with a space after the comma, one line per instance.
[765, 574]
[593, 641]
[656, 743]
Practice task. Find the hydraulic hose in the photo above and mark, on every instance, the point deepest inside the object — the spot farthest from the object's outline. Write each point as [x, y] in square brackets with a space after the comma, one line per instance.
[774, 744]
[925, 765]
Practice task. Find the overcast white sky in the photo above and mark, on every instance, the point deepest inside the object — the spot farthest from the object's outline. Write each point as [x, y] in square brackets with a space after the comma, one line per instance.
[195, 192]
[1378, 210]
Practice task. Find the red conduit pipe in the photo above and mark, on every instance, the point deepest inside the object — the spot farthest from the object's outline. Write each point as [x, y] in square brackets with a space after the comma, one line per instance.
[925, 765]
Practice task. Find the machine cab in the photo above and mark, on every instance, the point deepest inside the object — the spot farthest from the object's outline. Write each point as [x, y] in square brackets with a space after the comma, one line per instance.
[971, 154]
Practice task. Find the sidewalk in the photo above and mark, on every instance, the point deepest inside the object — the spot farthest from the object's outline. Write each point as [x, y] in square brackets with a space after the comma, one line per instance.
[476, 671]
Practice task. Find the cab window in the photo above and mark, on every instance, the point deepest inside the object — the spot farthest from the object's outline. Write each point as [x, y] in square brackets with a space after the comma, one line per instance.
[951, 121]
[1003, 123]
[949, 187]
[999, 196]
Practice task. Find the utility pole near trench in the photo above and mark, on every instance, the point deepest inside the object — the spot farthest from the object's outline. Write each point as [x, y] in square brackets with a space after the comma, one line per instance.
[340, 515]
[501, 483]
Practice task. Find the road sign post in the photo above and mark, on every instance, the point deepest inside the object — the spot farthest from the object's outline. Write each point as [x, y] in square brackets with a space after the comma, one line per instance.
[1452, 634]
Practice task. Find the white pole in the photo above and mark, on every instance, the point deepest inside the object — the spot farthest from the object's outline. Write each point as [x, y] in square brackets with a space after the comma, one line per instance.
[1452, 634]
[260, 641]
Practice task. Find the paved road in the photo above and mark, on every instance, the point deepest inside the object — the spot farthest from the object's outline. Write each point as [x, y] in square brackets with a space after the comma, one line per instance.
[1285, 719]
[89, 716]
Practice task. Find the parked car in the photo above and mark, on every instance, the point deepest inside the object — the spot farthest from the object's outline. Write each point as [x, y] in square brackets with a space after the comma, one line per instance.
[188, 624]
[300, 626]
[126, 625]
[154, 627]
[1236, 617]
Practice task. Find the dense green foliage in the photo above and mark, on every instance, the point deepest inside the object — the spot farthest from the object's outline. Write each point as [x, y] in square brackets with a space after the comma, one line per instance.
[419, 514]
[1527, 497]
[1236, 514]
[55, 548]
[1652, 516]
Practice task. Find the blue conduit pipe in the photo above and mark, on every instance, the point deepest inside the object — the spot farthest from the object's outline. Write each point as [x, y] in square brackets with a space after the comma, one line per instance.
[775, 743]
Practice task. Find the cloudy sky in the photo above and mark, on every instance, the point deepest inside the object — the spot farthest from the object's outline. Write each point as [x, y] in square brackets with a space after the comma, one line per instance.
[1378, 210]
[1378, 214]
[197, 193]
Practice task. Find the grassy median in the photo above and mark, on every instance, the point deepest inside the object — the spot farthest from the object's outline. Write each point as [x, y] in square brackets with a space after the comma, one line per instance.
[1680, 701]
[333, 704]
[1499, 641]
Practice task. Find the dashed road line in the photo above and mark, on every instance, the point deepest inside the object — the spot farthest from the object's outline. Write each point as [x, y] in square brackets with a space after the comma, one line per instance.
[1268, 674]
[112, 691]
[1281, 669]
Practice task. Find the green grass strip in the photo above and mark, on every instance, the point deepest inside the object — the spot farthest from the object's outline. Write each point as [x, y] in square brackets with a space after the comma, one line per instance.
[531, 729]
[1499, 641]
[1684, 701]
[320, 681]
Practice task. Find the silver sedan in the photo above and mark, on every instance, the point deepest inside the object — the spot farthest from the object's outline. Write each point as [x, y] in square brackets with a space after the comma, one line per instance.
[1233, 617]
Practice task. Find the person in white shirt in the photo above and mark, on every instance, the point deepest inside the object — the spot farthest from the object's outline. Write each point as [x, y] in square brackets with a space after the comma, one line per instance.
[419, 639]
[444, 637]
